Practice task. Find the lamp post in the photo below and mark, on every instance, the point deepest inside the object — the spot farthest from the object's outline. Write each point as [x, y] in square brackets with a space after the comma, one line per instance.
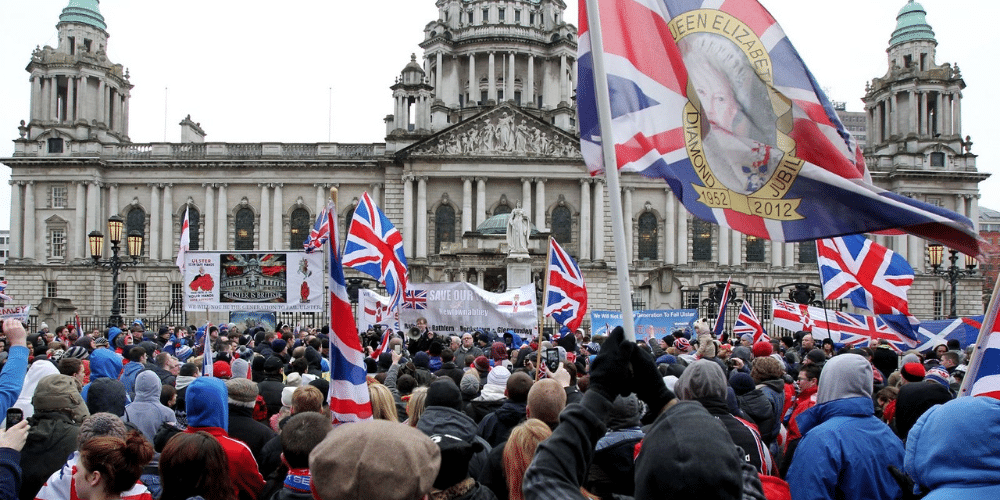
[115, 263]
[952, 272]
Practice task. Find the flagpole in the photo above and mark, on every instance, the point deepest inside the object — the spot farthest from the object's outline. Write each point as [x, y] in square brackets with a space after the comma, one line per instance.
[822, 294]
[989, 323]
[545, 294]
[610, 167]
[333, 239]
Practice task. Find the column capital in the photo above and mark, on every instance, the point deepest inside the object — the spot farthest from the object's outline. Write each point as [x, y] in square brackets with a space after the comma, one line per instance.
[540, 179]
[264, 184]
[628, 189]
[599, 180]
[167, 185]
[209, 185]
[480, 179]
[111, 185]
[222, 185]
[468, 179]
[586, 180]
[376, 185]
[407, 177]
[278, 185]
[422, 178]
[526, 179]
[12, 182]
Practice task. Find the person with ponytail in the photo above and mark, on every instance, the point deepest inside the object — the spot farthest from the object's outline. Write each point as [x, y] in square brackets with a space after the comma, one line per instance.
[109, 465]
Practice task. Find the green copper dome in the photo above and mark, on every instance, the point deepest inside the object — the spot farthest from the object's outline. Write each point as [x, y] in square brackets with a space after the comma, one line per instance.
[911, 25]
[85, 12]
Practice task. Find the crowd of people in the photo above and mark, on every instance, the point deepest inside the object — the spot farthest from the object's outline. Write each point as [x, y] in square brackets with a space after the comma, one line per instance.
[128, 414]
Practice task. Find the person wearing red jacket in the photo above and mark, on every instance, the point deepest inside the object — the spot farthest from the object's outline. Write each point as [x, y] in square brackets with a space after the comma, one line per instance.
[206, 401]
[808, 384]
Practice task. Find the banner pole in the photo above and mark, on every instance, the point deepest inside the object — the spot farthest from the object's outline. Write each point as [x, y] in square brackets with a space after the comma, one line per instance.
[610, 168]
[822, 294]
[985, 329]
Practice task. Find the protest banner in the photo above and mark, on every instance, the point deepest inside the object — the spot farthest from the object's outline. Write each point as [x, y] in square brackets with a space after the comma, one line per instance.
[648, 323]
[253, 281]
[19, 313]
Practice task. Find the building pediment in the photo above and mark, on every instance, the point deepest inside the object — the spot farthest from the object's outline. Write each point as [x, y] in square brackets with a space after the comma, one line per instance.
[502, 132]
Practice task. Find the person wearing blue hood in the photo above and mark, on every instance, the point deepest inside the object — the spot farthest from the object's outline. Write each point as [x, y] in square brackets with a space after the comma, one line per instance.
[845, 451]
[937, 467]
[207, 403]
[104, 363]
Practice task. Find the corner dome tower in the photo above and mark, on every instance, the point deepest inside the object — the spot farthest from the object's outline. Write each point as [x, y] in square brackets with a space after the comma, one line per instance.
[911, 25]
[83, 12]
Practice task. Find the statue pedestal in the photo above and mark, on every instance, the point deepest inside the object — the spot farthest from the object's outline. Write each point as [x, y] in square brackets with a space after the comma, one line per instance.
[518, 270]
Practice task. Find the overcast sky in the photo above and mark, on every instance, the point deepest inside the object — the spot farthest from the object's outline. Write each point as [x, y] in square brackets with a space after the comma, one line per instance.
[312, 71]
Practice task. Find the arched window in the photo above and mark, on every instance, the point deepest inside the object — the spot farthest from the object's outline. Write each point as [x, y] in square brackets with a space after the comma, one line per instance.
[755, 249]
[300, 228]
[348, 217]
[444, 226]
[701, 242]
[194, 227]
[807, 252]
[135, 221]
[503, 208]
[648, 236]
[244, 229]
[562, 224]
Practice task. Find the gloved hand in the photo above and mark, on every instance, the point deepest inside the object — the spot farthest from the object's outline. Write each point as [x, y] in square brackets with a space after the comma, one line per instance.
[610, 375]
[905, 483]
[648, 383]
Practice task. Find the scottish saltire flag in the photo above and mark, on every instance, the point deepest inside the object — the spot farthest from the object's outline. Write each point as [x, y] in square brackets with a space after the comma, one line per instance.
[565, 290]
[185, 242]
[934, 333]
[3, 291]
[712, 97]
[319, 233]
[375, 247]
[747, 322]
[720, 319]
[870, 275]
[349, 400]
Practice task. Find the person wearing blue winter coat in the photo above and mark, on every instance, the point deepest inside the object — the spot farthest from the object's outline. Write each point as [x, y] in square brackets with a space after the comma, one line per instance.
[845, 451]
[136, 363]
[12, 376]
[951, 452]
[104, 363]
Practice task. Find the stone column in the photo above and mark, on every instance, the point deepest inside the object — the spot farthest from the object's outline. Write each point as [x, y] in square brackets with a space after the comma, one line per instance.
[376, 190]
[682, 235]
[529, 84]
[278, 221]
[736, 255]
[222, 221]
[439, 76]
[526, 196]
[599, 219]
[915, 255]
[629, 221]
[265, 217]
[491, 76]
[776, 251]
[422, 217]
[540, 204]
[949, 115]
[509, 93]
[480, 277]
[53, 99]
[913, 111]
[958, 114]
[93, 216]
[563, 86]
[78, 249]
[924, 117]
[894, 115]
[789, 252]
[670, 235]
[153, 235]
[939, 113]
[724, 246]
[585, 219]
[167, 226]
[29, 220]
[70, 94]
[208, 241]
[480, 200]
[36, 100]
[408, 233]
[466, 204]
[473, 83]
[16, 219]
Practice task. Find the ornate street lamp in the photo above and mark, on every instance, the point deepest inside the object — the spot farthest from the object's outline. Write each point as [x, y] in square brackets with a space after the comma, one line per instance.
[952, 273]
[115, 263]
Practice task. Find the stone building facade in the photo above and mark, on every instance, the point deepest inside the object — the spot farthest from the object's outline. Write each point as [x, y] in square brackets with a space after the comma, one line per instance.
[482, 122]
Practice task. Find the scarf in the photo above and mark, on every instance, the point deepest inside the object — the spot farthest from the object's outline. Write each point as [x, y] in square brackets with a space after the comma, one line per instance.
[298, 480]
[184, 381]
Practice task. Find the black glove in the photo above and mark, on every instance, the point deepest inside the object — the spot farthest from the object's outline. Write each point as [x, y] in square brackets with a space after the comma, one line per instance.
[610, 375]
[905, 483]
[648, 383]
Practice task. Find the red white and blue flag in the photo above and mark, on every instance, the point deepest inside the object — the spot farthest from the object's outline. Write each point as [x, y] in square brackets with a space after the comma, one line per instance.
[565, 290]
[375, 247]
[207, 363]
[3, 291]
[844, 328]
[349, 399]
[747, 322]
[319, 233]
[720, 319]
[870, 275]
[383, 344]
[415, 299]
[712, 97]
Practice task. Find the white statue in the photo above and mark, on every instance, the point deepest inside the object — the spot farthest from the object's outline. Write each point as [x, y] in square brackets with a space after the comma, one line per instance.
[518, 228]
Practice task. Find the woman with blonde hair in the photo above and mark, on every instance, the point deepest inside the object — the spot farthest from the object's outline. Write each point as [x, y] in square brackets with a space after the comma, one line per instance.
[519, 450]
[383, 406]
[415, 406]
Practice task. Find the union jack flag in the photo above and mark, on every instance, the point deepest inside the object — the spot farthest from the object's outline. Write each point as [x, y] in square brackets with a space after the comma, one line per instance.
[747, 322]
[720, 320]
[319, 233]
[712, 97]
[870, 275]
[375, 247]
[3, 291]
[415, 299]
[857, 330]
[565, 290]
[349, 399]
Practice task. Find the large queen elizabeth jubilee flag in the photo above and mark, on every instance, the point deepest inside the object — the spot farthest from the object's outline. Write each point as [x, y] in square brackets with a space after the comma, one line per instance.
[712, 97]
